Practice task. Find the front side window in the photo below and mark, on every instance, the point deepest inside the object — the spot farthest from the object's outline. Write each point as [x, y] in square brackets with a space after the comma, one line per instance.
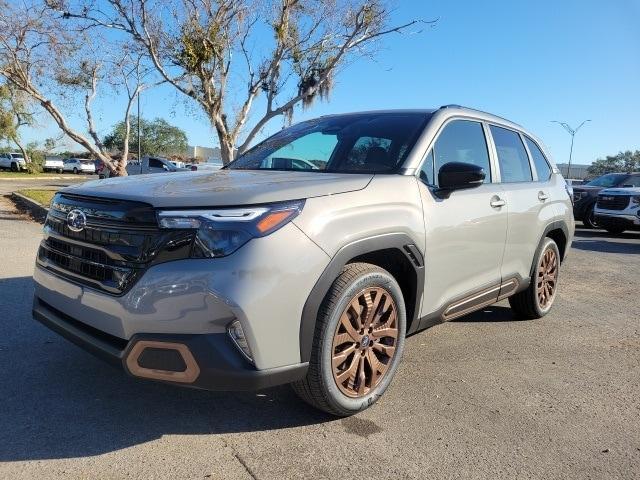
[462, 141]
[631, 181]
[539, 160]
[155, 163]
[357, 143]
[512, 157]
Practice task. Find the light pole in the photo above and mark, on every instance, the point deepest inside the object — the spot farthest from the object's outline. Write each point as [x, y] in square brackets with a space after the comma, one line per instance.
[572, 132]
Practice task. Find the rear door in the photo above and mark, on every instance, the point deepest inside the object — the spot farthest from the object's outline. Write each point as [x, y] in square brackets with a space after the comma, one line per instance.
[465, 233]
[528, 194]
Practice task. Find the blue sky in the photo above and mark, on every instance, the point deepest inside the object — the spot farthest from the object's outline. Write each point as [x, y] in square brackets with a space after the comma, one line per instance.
[530, 62]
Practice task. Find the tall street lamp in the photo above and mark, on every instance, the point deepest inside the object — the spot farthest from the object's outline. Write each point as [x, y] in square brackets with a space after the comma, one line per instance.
[572, 132]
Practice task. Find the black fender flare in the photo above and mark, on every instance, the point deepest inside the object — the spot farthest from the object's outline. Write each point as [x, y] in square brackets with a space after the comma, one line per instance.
[398, 241]
[556, 225]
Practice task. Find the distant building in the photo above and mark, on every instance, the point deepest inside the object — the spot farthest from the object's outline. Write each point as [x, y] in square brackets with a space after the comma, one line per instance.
[205, 154]
[578, 171]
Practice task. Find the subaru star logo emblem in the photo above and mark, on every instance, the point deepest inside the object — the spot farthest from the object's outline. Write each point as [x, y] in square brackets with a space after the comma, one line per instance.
[76, 220]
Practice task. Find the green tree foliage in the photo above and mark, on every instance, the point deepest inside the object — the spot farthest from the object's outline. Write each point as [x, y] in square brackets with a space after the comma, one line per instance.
[622, 162]
[158, 137]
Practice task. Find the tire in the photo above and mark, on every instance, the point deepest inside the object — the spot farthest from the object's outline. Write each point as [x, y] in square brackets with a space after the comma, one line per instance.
[615, 230]
[75, 171]
[14, 167]
[528, 303]
[589, 220]
[356, 284]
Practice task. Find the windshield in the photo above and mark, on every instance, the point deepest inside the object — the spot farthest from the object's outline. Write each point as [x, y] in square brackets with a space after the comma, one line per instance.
[608, 180]
[357, 143]
[16, 155]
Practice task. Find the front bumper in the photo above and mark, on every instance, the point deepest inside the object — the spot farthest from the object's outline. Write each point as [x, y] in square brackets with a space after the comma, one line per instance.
[626, 221]
[209, 361]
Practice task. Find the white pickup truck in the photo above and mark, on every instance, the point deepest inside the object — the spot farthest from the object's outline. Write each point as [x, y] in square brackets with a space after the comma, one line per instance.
[13, 161]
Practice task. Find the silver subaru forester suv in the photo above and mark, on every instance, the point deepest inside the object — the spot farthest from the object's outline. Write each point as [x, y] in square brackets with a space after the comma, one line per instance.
[310, 258]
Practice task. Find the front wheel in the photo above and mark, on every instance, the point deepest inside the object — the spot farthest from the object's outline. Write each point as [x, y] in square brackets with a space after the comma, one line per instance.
[75, 171]
[358, 341]
[538, 298]
[589, 220]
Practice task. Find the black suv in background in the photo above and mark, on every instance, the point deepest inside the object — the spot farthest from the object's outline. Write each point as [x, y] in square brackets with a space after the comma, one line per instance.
[585, 196]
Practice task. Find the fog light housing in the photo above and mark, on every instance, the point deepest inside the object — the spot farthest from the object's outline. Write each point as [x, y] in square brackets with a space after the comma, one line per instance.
[235, 331]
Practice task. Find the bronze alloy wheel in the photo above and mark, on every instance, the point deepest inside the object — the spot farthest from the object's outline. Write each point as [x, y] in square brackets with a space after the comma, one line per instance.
[364, 342]
[547, 278]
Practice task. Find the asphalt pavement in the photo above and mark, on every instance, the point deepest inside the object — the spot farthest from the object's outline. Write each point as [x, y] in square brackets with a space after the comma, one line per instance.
[486, 396]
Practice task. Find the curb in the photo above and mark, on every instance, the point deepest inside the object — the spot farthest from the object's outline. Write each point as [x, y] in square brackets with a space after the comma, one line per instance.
[34, 207]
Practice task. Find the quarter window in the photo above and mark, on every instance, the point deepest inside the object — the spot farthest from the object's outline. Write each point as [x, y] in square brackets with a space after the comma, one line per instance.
[512, 157]
[542, 166]
[462, 141]
[426, 172]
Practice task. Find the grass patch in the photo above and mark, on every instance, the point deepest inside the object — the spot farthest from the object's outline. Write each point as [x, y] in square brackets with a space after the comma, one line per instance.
[26, 175]
[43, 197]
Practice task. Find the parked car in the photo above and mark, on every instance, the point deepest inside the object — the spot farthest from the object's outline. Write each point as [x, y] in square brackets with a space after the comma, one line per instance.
[78, 165]
[618, 209]
[13, 161]
[575, 181]
[585, 196]
[53, 164]
[250, 277]
[207, 166]
[152, 165]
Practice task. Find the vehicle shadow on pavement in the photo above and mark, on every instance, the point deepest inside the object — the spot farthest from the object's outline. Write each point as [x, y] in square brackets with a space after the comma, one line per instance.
[492, 313]
[599, 241]
[60, 402]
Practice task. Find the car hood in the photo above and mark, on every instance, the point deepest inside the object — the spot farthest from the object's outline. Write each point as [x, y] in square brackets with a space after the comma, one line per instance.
[621, 191]
[585, 188]
[221, 188]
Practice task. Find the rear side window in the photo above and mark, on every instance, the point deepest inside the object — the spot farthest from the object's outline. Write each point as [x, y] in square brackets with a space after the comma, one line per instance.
[512, 157]
[542, 166]
[462, 141]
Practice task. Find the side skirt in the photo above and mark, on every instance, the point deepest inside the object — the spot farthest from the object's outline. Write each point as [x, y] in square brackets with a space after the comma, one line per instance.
[475, 301]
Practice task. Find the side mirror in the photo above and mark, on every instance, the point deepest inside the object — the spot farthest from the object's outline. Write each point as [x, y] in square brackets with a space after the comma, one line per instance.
[458, 176]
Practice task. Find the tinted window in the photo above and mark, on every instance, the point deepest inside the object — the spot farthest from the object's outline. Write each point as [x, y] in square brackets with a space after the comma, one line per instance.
[426, 172]
[155, 163]
[542, 167]
[356, 143]
[512, 157]
[633, 180]
[462, 141]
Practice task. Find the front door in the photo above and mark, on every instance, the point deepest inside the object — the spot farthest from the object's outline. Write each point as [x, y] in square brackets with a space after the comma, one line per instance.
[465, 233]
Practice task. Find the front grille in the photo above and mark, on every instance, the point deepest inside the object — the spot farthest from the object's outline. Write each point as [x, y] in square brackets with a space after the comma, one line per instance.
[613, 202]
[119, 242]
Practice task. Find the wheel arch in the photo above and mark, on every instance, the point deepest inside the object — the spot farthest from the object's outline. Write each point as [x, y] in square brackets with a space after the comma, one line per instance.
[395, 252]
[559, 233]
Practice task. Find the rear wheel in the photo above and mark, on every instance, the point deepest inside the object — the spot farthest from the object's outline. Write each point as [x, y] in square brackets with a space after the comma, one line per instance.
[538, 298]
[358, 342]
[14, 167]
[75, 171]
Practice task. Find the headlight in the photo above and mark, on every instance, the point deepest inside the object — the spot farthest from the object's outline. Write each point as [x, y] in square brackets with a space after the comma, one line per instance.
[577, 196]
[221, 232]
[636, 200]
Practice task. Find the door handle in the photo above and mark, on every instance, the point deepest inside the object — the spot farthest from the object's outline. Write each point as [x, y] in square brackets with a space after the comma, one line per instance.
[542, 196]
[497, 202]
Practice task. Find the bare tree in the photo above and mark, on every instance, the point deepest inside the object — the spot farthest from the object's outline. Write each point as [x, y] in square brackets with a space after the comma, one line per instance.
[220, 52]
[42, 57]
